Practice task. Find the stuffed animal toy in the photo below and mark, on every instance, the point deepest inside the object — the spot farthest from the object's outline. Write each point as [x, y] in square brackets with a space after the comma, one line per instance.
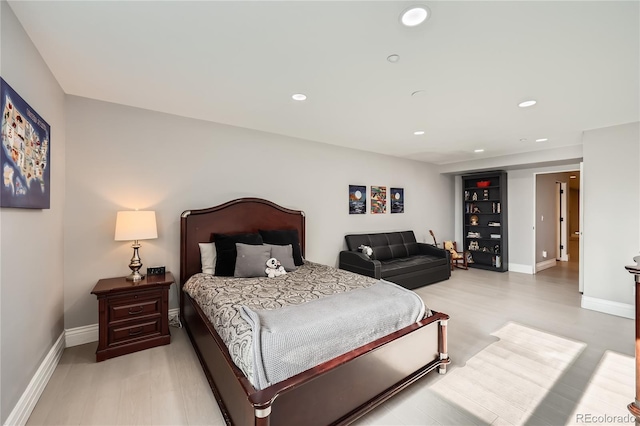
[448, 245]
[274, 269]
[368, 251]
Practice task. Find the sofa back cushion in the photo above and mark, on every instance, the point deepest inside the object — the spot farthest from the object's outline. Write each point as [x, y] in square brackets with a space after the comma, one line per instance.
[389, 245]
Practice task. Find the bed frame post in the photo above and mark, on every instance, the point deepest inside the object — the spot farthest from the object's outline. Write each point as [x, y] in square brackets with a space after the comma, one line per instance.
[442, 345]
[262, 416]
[634, 407]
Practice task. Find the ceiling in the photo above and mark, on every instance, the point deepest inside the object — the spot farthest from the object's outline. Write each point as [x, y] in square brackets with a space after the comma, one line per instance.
[239, 62]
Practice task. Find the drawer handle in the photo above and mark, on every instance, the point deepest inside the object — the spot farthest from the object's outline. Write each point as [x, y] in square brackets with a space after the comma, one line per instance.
[133, 333]
[132, 312]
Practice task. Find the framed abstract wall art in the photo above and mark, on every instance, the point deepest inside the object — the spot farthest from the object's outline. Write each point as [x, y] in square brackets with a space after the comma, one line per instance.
[378, 199]
[357, 199]
[397, 200]
[25, 153]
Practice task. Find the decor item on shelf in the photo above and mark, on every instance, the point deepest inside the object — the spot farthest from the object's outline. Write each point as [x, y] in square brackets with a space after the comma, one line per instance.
[493, 207]
[476, 209]
[473, 220]
[397, 200]
[473, 245]
[466, 195]
[469, 256]
[485, 194]
[357, 199]
[497, 236]
[474, 197]
[497, 207]
[483, 183]
[134, 226]
[473, 235]
[498, 262]
[496, 249]
[493, 224]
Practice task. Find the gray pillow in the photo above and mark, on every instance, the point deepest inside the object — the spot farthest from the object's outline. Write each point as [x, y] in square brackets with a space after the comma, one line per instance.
[284, 254]
[251, 260]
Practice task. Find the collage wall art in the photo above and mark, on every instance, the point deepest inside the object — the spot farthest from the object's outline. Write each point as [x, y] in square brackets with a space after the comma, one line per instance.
[378, 199]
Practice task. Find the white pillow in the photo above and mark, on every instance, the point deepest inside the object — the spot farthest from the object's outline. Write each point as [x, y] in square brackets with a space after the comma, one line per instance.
[208, 257]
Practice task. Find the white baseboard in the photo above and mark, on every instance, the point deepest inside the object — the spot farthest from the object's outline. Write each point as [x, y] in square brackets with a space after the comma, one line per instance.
[21, 412]
[68, 338]
[549, 263]
[89, 333]
[608, 307]
[81, 335]
[523, 269]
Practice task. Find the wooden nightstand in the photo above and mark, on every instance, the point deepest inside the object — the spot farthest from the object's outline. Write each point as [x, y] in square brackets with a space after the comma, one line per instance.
[133, 315]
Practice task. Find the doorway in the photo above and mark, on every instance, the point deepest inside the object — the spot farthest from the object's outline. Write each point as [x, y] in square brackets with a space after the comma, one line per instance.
[557, 222]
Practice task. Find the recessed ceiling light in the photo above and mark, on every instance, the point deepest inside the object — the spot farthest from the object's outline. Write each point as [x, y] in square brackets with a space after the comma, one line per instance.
[528, 103]
[415, 15]
[393, 58]
[299, 97]
[418, 132]
[478, 150]
[542, 140]
[572, 176]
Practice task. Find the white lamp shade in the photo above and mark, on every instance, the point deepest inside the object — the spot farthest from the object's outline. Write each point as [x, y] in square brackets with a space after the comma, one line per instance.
[136, 225]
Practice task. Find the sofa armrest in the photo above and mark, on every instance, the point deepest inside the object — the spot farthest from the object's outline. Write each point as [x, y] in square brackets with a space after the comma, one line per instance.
[359, 263]
[432, 250]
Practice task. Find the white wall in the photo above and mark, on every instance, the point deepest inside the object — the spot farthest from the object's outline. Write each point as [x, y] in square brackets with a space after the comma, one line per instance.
[611, 211]
[124, 158]
[31, 285]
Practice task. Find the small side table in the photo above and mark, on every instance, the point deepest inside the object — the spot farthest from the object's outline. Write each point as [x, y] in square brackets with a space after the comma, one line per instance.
[132, 315]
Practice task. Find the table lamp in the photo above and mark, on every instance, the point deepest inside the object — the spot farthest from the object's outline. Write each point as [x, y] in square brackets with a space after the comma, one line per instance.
[134, 226]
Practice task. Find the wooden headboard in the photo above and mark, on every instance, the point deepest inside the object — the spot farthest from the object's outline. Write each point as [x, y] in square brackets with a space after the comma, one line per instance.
[244, 215]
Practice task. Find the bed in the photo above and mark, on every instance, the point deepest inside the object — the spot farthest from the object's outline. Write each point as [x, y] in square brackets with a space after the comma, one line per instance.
[337, 391]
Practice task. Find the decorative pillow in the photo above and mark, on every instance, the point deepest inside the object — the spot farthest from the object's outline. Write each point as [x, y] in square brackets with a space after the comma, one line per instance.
[283, 237]
[226, 250]
[284, 254]
[208, 257]
[251, 260]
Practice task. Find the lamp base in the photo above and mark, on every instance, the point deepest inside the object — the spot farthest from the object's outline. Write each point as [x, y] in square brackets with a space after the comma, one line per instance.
[135, 276]
[135, 264]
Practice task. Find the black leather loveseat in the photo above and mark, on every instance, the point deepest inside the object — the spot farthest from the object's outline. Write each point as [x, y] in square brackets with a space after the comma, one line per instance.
[397, 257]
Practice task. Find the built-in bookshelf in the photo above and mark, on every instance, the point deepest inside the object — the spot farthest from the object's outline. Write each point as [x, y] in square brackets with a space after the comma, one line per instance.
[485, 220]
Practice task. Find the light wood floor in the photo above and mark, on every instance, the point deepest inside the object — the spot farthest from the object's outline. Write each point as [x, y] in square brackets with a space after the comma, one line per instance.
[166, 385]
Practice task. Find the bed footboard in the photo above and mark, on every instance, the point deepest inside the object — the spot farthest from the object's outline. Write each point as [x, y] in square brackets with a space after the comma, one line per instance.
[336, 392]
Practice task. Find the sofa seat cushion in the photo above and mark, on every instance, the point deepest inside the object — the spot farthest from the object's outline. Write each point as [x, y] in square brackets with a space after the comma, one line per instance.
[405, 265]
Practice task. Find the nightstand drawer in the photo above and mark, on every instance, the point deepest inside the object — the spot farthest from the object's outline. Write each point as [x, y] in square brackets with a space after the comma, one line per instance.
[134, 307]
[131, 331]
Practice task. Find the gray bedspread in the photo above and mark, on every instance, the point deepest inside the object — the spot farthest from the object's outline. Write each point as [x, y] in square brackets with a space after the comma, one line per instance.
[222, 299]
[290, 340]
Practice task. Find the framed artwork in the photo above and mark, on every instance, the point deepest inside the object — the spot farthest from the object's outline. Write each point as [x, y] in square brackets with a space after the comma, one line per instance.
[357, 199]
[25, 153]
[397, 200]
[378, 199]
